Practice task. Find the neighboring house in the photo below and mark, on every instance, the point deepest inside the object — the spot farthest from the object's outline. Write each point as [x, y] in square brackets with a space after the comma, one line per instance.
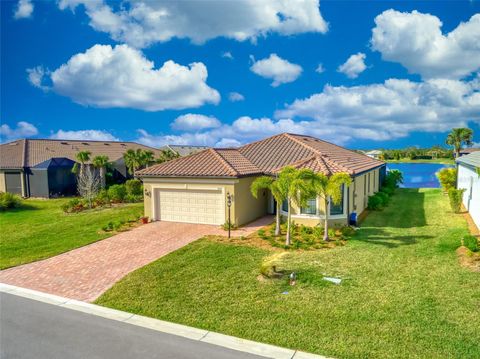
[467, 151]
[184, 150]
[42, 168]
[374, 154]
[469, 179]
[194, 189]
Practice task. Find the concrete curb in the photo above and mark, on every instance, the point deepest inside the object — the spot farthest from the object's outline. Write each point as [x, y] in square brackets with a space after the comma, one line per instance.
[226, 341]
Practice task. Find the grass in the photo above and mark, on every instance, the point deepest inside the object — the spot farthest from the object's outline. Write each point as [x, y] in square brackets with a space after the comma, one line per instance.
[39, 229]
[443, 161]
[404, 294]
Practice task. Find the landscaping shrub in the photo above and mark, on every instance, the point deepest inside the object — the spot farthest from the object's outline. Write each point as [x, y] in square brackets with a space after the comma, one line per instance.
[347, 231]
[102, 198]
[9, 200]
[387, 190]
[232, 226]
[131, 198]
[393, 178]
[455, 197]
[134, 187]
[471, 243]
[447, 178]
[117, 193]
[384, 197]
[73, 206]
[375, 202]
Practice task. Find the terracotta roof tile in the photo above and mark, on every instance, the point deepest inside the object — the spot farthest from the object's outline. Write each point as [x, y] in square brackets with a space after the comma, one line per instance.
[267, 156]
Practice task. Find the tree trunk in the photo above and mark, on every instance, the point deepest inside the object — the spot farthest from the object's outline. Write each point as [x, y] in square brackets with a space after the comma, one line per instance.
[325, 234]
[103, 177]
[277, 225]
[289, 217]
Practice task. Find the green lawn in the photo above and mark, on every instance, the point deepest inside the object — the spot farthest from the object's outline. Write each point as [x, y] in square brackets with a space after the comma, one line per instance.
[404, 295]
[40, 229]
[443, 161]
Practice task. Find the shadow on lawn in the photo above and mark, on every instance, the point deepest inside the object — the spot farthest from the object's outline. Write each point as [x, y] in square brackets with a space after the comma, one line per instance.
[374, 236]
[406, 210]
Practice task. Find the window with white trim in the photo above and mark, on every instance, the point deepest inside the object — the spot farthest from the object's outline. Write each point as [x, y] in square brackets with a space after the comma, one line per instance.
[310, 208]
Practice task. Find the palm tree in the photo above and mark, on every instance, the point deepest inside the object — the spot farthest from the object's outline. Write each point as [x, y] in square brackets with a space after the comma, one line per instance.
[293, 183]
[101, 162]
[329, 189]
[82, 157]
[167, 155]
[272, 184]
[133, 160]
[457, 137]
[147, 158]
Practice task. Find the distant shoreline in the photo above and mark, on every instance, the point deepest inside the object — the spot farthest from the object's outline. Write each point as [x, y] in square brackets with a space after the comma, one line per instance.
[442, 161]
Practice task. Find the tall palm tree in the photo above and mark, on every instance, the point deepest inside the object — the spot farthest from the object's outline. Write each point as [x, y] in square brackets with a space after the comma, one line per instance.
[293, 183]
[459, 136]
[272, 184]
[101, 162]
[329, 189]
[146, 158]
[133, 160]
[83, 157]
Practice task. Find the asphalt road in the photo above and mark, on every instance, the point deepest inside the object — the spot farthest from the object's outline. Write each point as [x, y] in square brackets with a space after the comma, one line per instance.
[32, 329]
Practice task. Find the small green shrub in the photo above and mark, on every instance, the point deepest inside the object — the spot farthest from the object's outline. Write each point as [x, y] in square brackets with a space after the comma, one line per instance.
[375, 202]
[9, 201]
[447, 178]
[262, 234]
[74, 205]
[102, 198]
[117, 193]
[347, 231]
[232, 226]
[387, 190]
[134, 187]
[130, 198]
[108, 227]
[318, 232]
[384, 197]
[455, 197]
[471, 243]
[393, 178]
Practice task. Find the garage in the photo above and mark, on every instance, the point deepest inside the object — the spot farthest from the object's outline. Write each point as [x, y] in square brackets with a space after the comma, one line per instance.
[205, 206]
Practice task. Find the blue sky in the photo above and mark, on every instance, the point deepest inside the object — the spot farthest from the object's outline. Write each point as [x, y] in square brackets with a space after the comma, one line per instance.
[394, 73]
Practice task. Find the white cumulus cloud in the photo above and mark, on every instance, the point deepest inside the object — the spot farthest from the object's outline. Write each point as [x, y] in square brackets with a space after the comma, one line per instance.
[320, 69]
[416, 41]
[22, 129]
[23, 10]
[194, 122]
[227, 55]
[389, 110]
[36, 77]
[235, 97]
[120, 76]
[279, 70]
[92, 135]
[354, 66]
[142, 23]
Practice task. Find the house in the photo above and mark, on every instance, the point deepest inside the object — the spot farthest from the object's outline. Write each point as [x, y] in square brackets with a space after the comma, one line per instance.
[183, 150]
[42, 168]
[469, 179]
[374, 154]
[467, 151]
[195, 188]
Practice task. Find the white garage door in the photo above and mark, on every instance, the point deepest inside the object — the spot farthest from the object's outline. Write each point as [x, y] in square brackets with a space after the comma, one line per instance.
[191, 206]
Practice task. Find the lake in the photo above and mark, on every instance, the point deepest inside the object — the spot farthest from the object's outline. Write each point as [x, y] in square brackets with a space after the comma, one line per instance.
[418, 175]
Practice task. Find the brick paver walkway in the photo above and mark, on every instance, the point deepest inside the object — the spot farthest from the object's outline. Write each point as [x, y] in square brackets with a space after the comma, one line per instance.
[85, 273]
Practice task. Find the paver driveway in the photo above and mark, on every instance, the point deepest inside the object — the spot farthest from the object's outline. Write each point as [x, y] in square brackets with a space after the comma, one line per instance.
[87, 272]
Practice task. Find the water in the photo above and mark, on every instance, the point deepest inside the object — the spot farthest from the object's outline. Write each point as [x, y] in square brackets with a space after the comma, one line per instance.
[418, 175]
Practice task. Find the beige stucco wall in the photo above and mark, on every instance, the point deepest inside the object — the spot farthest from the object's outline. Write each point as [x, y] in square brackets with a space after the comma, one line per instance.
[3, 186]
[248, 208]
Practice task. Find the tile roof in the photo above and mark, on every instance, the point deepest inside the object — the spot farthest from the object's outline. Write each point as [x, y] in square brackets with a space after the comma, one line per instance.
[31, 152]
[473, 159]
[267, 156]
[207, 163]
